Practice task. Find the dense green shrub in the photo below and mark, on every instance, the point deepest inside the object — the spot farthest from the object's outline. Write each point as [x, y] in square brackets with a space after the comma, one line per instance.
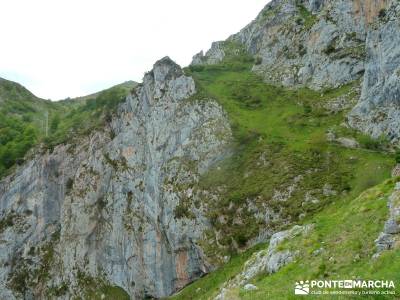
[397, 156]
[374, 144]
[26, 120]
[16, 138]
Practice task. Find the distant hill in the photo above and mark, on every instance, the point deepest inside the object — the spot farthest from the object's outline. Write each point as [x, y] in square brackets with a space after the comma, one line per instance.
[26, 120]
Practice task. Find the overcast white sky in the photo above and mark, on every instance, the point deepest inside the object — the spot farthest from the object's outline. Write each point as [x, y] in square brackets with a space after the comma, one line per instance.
[69, 48]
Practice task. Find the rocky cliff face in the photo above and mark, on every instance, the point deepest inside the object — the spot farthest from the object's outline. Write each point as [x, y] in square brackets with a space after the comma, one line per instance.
[108, 204]
[316, 43]
[378, 111]
[122, 207]
[324, 44]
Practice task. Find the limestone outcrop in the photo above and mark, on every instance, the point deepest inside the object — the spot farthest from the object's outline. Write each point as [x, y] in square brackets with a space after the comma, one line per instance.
[105, 208]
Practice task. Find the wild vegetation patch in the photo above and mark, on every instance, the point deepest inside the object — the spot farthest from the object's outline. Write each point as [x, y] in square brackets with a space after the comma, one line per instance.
[283, 160]
[26, 121]
[340, 246]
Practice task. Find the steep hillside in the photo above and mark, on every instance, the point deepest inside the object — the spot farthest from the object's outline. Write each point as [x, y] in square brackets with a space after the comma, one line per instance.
[26, 121]
[284, 141]
[142, 185]
[21, 122]
[325, 44]
[262, 163]
[335, 244]
[99, 211]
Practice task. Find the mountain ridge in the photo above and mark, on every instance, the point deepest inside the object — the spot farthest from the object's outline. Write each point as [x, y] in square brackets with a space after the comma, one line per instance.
[249, 150]
[24, 113]
[332, 50]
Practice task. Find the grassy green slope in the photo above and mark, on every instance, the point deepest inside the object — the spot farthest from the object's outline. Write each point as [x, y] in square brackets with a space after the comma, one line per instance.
[23, 119]
[280, 134]
[345, 229]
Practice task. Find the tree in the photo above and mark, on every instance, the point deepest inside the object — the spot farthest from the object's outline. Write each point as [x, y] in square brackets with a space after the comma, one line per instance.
[55, 121]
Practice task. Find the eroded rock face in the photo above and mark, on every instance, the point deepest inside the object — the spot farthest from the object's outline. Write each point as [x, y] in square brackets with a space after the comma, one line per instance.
[314, 43]
[107, 206]
[325, 44]
[213, 56]
[119, 205]
[389, 238]
[269, 260]
[378, 111]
